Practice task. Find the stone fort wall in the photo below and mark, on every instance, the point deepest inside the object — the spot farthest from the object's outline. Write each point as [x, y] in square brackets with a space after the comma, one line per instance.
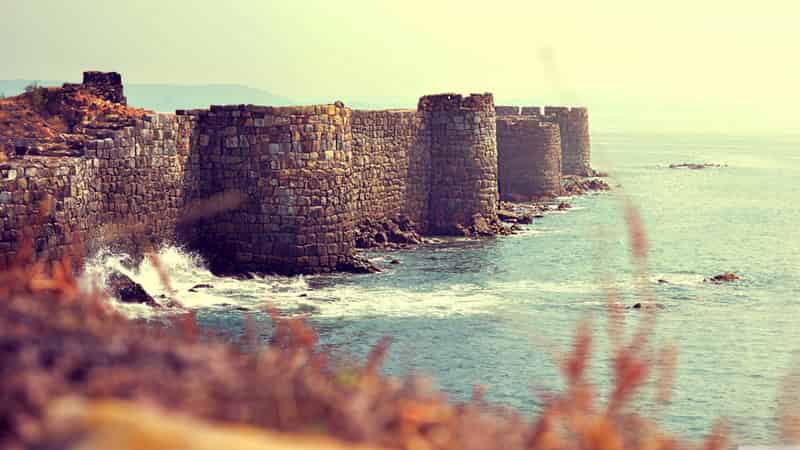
[529, 158]
[519, 139]
[294, 166]
[463, 151]
[126, 192]
[392, 165]
[304, 177]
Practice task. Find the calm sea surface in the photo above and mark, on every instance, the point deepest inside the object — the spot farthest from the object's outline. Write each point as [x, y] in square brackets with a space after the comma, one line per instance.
[492, 312]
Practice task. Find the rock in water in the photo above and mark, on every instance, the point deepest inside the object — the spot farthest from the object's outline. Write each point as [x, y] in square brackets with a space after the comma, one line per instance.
[726, 277]
[357, 264]
[200, 286]
[695, 166]
[508, 216]
[128, 291]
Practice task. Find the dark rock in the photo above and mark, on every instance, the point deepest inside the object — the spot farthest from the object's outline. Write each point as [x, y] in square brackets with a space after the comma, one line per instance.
[201, 286]
[172, 303]
[662, 281]
[648, 306]
[564, 206]
[726, 277]
[575, 185]
[481, 226]
[394, 261]
[357, 264]
[526, 218]
[388, 233]
[695, 166]
[508, 216]
[128, 291]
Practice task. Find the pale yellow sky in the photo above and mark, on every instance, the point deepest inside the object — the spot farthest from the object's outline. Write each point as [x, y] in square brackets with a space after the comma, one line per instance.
[696, 65]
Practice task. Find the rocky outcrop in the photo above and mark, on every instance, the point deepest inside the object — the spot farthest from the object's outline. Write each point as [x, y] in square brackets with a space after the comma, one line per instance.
[696, 166]
[574, 185]
[726, 277]
[512, 217]
[124, 289]
[358, 264]
[399, 232]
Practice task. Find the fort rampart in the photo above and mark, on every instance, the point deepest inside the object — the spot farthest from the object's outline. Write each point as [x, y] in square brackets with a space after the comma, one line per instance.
[304, 176]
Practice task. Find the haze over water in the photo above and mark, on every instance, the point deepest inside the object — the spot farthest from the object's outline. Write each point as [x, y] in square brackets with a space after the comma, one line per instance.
[491, 312]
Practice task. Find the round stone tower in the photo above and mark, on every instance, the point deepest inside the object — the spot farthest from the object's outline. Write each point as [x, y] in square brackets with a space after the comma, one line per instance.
[575, 146]
[463, 151]
[529, 155]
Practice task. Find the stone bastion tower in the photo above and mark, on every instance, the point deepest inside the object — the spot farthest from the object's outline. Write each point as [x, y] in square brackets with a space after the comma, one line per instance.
[529, 161]
[536, 148]
[463, 155]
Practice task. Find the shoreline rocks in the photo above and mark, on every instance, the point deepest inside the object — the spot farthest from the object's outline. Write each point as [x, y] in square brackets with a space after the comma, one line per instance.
[399, 232]
[358, 264]
[575, 185]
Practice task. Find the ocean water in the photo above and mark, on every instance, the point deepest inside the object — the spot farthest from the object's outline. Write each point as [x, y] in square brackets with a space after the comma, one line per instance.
[497, 312]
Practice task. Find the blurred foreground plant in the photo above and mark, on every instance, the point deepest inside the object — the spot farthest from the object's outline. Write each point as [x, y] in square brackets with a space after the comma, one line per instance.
[58, 341]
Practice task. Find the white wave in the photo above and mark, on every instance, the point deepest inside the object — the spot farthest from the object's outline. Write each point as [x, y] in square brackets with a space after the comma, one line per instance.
[554, 287]
[184, 271]
[333, 298]
[355, 301]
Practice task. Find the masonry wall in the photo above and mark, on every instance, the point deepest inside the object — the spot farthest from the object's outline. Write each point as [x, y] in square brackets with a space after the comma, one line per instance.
[295, 167]
[506, 110]
[463, 160]
[126, 192]
[575, 145]
[529, 158]
[303, 177]
[531, 111]
[391, 164]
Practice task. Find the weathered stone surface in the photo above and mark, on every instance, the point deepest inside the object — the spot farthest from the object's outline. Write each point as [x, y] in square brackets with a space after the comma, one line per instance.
[529, 158]
[463, 153]
[573, 134]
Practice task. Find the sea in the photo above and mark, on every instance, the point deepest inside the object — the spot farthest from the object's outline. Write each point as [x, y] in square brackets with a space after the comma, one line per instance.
[499, 313]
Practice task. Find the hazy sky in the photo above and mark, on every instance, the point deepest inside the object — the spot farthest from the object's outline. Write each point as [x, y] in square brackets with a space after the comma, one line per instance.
[676, 64]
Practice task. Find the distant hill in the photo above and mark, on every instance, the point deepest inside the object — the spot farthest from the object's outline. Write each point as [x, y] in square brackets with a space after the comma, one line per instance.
[10, 88]
[169, 97]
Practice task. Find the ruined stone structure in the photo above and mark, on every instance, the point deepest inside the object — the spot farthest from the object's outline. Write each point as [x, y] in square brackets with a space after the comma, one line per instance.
[529, 157]
[524, 137]
[129, 183]
[304, 176]
[106, 85]
[575, 145]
